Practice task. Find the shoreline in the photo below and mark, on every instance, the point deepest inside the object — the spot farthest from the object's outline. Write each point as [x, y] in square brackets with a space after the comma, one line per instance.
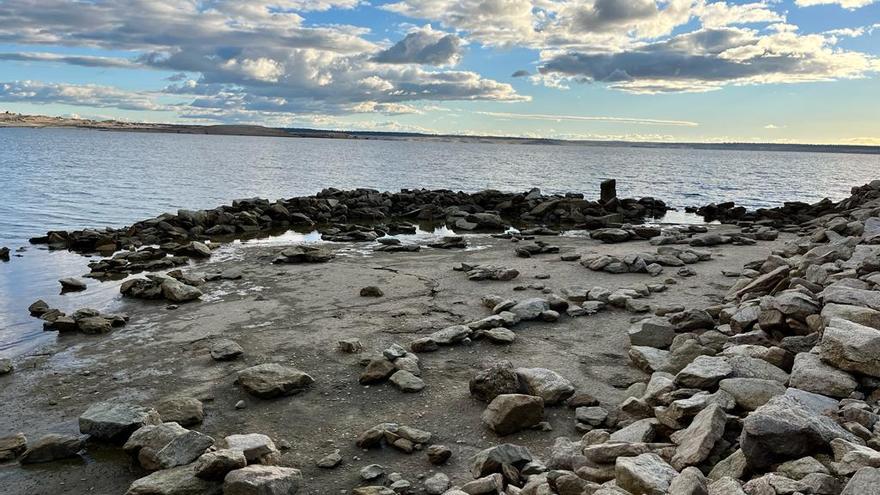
[45, 122]
[647, 337]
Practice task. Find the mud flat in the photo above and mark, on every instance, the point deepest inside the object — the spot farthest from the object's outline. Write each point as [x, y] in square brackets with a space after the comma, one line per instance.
[699, 361]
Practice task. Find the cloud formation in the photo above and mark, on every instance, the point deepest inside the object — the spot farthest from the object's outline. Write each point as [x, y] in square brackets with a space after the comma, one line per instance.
[423, 46]
[847, 4]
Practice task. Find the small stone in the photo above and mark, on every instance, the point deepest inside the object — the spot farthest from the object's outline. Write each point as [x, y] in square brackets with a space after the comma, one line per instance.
[225, 350]
[372, 291]
[330, 460]
[438, 454]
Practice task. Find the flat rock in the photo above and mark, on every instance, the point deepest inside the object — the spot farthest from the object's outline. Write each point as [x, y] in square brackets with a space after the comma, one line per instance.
[225, 350]
[811, 374]
[751, 393]
[851, 347]
[252, 445]
[652, 332]
[215, 465]
[407, 382]
[704, 372]
[273, 380]
[262, 480]
[544, 383]
[183, 449]
[115, 421]
[176, 481]
[52, 447]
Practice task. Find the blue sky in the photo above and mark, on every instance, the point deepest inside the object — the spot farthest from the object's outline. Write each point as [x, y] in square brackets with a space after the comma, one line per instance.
[668, 70]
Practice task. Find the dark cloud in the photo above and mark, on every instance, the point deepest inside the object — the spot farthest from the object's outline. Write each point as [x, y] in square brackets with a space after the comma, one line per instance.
[521, 73]
[423, 47]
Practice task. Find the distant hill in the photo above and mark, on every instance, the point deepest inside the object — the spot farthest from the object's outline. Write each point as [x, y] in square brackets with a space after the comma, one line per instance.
[39, 121]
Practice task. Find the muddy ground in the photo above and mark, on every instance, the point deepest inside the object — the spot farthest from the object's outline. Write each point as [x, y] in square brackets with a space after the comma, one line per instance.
[296, 314]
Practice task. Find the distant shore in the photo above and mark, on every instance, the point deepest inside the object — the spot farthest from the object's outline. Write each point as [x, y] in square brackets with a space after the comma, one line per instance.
[8, 119]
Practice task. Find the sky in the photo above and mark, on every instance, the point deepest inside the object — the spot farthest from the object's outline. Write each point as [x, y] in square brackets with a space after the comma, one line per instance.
[805, 71]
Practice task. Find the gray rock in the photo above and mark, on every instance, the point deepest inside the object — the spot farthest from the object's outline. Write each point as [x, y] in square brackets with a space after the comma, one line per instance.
[811, 374]
[52, 447]
[856, 314]
[176, 481]
[115, 421]
[5, 366]
[646, 474]
[491, 460]
[500, 335]
[185, 411]
[639, 431]
[544, 383]
[252, 445]
[183, 449]
[704, 372]
[799, 468]
[749, 367]
[273, 380]
[851, 347]
[733, 466]
[530, 309]
[726, 486]
[12, 446]
[451, 335]
[176, 291]
[652, 332]
[146, 442]
[438, 454]
[866, 481]
[225, 350]
[649, 359]
[215, 465]
[330, 460]
[437, 484]
[262, 480]
[71, 284]
[372, 472]
[591, 415]
[500, 378]
[690, 482]
[852, 296]
[510, 413]
[407, 382]
[751, 393]
[697, 441]
[850, 457]
[787, 428]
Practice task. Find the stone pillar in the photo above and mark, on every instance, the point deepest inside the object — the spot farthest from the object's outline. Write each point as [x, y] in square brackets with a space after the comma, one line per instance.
[609, 190]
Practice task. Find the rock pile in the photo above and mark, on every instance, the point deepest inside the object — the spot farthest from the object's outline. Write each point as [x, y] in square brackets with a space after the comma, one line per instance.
[651, 263]
[85, 320]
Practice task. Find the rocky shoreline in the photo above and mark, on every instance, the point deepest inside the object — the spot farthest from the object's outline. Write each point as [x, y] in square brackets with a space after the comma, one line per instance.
[619, 358]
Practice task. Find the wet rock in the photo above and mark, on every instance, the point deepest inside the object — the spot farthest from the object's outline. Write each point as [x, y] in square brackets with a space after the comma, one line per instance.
[500, 378]
[177, 481]
[38, 308]
[145, 443]
[510, 413]
[787, 428]
[438, 454]
[271, 380]
[179, 292]
[71, 284]
[304, 254]
[115, 421]
[407, 382]
[215, 465]
[252, 445]
[5, 366]
[225, 350]
[811, 374]
[52, 447]
[262, 480]
[646, 474]
[544, 383]
[185, 411]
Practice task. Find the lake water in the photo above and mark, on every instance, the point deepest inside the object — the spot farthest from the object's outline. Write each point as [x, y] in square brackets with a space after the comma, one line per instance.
[69, 178]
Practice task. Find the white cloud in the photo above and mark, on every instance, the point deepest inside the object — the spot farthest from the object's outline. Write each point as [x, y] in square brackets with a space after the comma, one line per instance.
[586, 118]
[83, 95]
[847, 4]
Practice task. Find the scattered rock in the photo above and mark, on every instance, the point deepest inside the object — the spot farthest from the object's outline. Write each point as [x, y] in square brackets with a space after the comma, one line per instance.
[271, 380]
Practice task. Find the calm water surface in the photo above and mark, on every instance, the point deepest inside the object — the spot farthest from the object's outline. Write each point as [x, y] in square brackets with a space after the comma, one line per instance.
[68, 178]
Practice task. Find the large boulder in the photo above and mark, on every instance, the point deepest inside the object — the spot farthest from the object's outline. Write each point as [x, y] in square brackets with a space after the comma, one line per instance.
[510, 413]
[262, 480]
[273, 380]
[544, 383]
[176, 291]
[788, 427]
[115, 421]
[851, 347]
